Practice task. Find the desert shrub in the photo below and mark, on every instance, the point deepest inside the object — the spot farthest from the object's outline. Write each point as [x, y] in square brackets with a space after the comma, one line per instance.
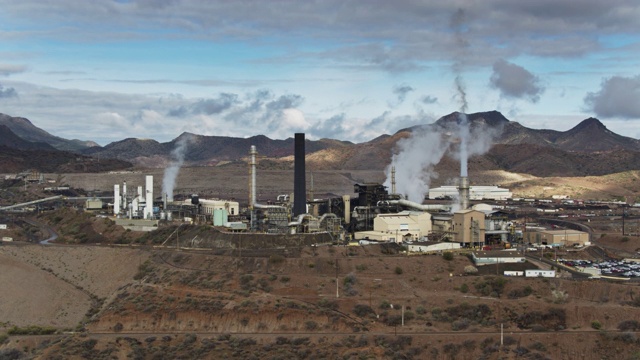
[118, 327]
[460, 324]
[310, 325]
[628, 337]
[385, 304]
[328, 304]
[362, 310]
[521, 351]
[625, 239]
[492, 286]
[464, 288]
[263, 284]
[519, 293]
[361, 267]
[11, 354]
[348, 283]
[143, 270]
[409, 315]
[398, 270]
[629, 325]
[595, 324]
[538, 346]
[392, 320]
[397, 343]
[469, 345]
[554, 318]
[300, 341]
[559, 296]
[470, 270]
[246, 279]
[509, 340]
[436, 312]
[190, 338]
[486, 342]
[285, 279]
[420, 310]
[31, 330]
[451, 349]
[447, 255]
[465, 314]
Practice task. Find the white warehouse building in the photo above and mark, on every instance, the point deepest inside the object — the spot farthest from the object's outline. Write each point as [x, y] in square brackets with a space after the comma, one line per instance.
[475, 192]
[403, 226]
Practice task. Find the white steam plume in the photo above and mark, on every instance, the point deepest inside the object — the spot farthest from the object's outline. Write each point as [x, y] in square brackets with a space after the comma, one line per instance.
[458, 27]
[414, 161]
[171, 172]
[464, 142]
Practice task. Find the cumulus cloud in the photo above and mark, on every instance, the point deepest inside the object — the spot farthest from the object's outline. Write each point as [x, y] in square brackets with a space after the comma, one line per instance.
[618, 97]
[215, 106]
[7, 92]
[514, 81]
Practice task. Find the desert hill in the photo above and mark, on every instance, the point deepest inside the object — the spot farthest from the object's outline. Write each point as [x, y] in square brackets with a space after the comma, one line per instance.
[144, 302]
[585, 150]
[26, 130]
[9, 139]
[54, 161]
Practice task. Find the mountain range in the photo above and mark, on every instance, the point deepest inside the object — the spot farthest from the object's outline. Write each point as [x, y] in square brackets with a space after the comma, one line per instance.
[587, 149]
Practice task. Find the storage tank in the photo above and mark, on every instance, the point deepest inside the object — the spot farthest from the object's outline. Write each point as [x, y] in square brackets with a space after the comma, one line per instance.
[220, 217]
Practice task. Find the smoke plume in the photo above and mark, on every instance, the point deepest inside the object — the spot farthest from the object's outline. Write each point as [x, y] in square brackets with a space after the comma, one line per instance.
[171, 172]
[414, 161]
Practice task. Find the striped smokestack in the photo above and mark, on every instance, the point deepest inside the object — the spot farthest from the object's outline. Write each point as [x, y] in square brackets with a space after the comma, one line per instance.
[299, 180]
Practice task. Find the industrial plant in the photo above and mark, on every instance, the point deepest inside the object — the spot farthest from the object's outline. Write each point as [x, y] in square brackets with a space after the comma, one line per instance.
[374, 215]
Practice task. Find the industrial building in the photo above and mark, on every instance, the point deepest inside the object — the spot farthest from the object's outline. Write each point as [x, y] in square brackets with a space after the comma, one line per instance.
[468, 228]
[557, 238]
[433, 247]
[475, 193]
[398, 227]
[497, 257]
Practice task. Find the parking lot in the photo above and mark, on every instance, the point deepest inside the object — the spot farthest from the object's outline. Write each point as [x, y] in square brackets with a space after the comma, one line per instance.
[627, 269]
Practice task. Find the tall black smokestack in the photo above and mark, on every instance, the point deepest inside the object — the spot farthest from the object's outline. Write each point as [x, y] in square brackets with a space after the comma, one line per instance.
[299, 181]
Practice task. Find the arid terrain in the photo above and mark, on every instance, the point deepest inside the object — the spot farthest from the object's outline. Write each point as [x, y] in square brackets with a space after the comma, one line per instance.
[113, 301]
[226, 182]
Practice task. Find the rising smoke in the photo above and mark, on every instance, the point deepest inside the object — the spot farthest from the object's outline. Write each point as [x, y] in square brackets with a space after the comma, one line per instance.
[458, 27]
[417, 155]
[171, 172]
[414, 162]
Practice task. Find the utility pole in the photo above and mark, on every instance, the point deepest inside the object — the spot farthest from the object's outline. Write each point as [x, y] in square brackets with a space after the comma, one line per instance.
[337, 282]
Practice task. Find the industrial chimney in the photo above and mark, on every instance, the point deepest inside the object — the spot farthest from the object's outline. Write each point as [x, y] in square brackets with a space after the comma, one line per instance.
[463, 189]
[299, 181]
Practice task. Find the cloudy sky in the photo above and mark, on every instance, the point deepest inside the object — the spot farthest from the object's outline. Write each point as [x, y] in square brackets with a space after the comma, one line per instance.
[350, 70]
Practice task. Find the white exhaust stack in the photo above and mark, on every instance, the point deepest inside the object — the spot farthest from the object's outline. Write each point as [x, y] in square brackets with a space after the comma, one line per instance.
[346, 199]
[463, 189]
[148, 207]
[116, 199]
